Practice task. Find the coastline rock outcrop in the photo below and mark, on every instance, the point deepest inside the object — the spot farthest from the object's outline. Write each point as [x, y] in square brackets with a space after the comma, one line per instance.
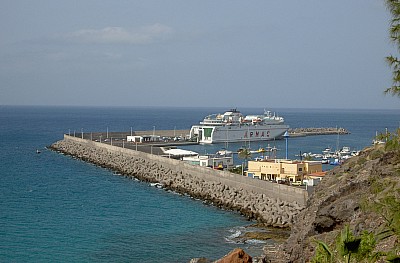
[267, 209]
[338, 201]
[236, 256]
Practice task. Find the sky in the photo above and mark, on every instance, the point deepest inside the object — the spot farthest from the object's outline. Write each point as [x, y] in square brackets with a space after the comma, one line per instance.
[198, 53]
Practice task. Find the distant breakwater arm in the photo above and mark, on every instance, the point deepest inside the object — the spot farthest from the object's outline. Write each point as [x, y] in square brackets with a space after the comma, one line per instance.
[301, 132]
[273, 204]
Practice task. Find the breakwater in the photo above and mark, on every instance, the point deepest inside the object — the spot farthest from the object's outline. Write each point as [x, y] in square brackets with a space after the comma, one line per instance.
[270, 203]
[301, 132]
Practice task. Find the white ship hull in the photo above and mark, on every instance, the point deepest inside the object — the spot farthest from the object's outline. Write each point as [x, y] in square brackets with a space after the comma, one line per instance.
[237, 133]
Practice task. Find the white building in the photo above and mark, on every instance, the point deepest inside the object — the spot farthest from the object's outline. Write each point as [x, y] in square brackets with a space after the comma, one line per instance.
[143, 138]
[214, 161]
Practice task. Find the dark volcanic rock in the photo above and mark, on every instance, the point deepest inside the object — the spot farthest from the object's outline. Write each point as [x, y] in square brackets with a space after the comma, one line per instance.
[336, 213]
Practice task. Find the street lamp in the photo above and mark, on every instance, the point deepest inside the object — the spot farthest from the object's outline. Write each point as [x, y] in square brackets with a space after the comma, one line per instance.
[286, 136]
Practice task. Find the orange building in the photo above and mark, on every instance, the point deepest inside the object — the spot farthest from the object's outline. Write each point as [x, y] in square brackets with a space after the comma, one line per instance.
[283, 170]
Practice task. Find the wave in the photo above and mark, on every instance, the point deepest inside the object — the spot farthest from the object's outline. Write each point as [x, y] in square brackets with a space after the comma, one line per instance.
[236, 232]
[255, 241]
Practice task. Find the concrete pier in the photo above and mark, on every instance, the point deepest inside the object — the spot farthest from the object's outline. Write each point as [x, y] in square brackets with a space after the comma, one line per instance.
[274, 204]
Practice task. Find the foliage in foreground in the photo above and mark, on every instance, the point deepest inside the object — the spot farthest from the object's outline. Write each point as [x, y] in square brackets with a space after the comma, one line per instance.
[348, 248]
[385, 202]
[394, 31]
[392, 140]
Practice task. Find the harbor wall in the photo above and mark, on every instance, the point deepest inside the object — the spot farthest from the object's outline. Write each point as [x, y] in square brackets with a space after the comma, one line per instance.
[271, 203]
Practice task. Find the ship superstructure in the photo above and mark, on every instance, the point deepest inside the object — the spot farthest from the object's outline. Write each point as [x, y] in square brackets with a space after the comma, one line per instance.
[233, 126]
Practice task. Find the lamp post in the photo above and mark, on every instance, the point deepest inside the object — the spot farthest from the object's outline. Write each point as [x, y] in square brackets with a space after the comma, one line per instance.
[286, 136]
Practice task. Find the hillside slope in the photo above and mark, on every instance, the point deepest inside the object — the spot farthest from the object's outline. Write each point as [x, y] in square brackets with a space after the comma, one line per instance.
[341, 199]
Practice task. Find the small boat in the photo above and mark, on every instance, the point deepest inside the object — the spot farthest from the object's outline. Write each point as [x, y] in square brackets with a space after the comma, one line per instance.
[325, 160]
[37, 151]
[345, 150]
[378, 140]
[326, 150]
[224, 152]
[261, 150]
[336, 162]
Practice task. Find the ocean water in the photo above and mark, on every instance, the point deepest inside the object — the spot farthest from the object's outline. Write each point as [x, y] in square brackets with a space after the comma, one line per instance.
[54, 208]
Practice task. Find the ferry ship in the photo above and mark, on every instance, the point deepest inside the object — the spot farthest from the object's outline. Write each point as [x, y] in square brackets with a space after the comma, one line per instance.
[232, 126]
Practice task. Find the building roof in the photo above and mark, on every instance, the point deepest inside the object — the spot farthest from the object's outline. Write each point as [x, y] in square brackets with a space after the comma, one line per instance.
[317, 174]
[180, 152]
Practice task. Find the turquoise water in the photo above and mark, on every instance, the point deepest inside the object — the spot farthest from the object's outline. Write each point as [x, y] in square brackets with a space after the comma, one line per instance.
[58, 209]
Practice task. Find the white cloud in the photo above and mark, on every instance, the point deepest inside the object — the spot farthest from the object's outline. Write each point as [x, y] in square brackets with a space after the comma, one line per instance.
[120, 35]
